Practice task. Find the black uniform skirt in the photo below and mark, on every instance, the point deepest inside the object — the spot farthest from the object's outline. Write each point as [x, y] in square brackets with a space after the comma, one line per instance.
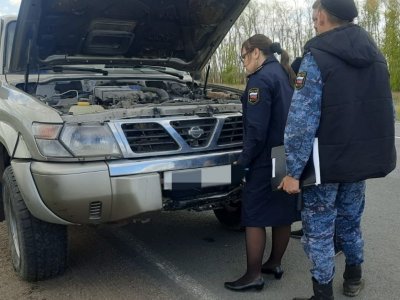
[263, 208]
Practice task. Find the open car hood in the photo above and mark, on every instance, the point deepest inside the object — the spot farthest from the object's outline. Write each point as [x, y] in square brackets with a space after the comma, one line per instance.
[182, 34]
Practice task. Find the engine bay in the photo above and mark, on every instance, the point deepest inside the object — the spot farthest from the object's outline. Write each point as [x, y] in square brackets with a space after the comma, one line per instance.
[84, 96]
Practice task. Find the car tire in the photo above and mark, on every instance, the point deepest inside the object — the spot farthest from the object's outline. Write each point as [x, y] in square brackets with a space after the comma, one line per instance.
[230, 215]
[38, 248]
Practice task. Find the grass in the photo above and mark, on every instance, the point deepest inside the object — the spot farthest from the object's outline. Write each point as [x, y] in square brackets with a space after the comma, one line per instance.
[396, 99]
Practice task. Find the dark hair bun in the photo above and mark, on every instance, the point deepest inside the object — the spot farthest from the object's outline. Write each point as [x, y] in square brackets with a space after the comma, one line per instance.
[276, 48]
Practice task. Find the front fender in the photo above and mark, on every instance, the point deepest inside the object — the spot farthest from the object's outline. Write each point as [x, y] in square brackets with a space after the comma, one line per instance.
[18, 110]
[13, 143]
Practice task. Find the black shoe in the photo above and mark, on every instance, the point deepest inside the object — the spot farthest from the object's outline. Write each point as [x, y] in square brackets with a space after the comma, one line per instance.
[353, 282]
[297, 234]
[321, 291]
[257, 284]
[277, 271]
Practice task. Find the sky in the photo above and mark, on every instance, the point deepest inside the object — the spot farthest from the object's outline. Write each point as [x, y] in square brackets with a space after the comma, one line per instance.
[9, 7]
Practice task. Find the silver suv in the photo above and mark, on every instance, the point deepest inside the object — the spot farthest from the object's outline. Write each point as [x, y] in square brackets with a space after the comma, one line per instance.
[101, 120]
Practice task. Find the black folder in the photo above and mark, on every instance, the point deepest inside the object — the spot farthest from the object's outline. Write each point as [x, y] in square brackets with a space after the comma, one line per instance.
[310, 175]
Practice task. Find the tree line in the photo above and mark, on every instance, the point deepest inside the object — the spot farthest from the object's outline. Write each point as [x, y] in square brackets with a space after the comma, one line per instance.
[290, 23]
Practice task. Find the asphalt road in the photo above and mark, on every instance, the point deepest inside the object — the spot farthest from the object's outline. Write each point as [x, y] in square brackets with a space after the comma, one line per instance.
[188, 255]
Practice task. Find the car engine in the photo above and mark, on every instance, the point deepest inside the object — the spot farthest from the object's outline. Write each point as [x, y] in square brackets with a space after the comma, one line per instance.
[100, 95]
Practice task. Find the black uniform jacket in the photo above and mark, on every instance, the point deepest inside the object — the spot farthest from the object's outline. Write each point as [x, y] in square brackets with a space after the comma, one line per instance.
[265, 102]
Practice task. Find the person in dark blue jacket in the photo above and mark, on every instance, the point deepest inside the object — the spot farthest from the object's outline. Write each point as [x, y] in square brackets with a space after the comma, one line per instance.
[266, 103]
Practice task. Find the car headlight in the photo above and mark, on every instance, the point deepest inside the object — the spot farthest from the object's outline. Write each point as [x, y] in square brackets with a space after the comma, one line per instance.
[89, 140]
[80, 140]
[46, 136]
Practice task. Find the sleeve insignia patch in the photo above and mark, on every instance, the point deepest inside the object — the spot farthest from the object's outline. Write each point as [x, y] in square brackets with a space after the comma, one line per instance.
[300, 80]
[254, 96]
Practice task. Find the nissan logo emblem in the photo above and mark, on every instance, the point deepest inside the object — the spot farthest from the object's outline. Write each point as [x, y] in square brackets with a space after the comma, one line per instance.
[196, 132]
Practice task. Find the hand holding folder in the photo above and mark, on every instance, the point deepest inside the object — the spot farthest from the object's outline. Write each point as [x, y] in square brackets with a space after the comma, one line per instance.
[311, 174]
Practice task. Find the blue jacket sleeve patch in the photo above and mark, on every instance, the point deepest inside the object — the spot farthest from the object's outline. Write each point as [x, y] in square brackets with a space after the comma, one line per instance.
[254, 95]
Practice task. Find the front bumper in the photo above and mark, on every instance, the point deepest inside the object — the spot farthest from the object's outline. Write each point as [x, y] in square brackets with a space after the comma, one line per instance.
[101, 192]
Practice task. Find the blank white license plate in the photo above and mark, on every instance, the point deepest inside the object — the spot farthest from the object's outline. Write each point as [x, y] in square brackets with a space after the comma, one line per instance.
[197, 178]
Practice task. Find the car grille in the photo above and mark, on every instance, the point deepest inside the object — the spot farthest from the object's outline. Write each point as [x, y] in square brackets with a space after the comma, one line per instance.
[148, 137]
[196, 133]
[183, 135]
[232, 131]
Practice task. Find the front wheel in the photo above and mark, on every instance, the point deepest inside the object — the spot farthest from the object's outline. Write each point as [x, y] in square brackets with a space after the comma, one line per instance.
[230, 215]
[38, 249]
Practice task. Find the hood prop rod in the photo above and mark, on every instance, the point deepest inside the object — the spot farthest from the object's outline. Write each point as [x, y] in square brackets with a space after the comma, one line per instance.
[27, 66]
[206, 81]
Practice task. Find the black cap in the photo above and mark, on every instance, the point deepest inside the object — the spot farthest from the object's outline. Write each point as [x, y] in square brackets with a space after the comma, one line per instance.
[343, 9]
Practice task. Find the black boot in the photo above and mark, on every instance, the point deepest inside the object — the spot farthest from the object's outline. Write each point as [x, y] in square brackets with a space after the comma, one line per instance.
[353, 282]
[321, 291]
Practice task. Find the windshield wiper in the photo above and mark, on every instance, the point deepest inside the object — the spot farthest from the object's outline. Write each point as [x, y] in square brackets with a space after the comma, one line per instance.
[161, 70]
[60, 69]
[155, 68]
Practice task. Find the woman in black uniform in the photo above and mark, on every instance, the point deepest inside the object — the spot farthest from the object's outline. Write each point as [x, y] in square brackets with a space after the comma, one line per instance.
[266, 102]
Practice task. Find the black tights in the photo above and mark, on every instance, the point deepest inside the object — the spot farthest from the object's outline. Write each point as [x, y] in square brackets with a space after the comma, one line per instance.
[255, 246]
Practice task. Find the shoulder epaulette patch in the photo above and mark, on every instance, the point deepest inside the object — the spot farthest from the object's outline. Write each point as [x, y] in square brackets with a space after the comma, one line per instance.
[254, 95]
[300, 80]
